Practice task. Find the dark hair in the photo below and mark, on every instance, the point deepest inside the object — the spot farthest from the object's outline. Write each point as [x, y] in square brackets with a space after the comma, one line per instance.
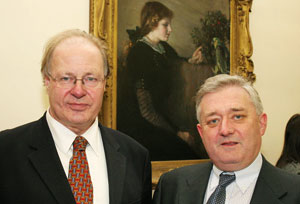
[291, 148]
[151, 14]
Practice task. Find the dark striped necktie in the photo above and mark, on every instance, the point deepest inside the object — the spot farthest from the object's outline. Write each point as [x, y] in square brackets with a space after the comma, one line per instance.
[219, 195]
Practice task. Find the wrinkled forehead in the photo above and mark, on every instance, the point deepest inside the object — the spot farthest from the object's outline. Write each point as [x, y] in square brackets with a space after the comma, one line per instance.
[233, 95]
[77, 52]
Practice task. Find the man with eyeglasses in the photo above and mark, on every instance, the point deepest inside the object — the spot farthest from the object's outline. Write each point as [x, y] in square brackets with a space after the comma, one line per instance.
[66, 156]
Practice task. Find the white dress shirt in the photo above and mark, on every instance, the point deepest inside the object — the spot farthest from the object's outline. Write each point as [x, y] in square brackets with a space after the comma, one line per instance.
[241, 190]
[63, 139]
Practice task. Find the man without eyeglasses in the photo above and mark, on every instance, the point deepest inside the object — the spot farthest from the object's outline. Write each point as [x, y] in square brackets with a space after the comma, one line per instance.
[67, 156]
[231, 126]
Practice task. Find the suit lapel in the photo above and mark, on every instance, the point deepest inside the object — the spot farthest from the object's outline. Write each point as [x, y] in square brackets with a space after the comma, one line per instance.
[47, 163]
[116, 165]
[195, 187]
[267, 189]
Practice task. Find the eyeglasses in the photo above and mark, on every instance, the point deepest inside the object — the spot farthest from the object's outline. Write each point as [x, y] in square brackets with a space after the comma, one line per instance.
[70, 81]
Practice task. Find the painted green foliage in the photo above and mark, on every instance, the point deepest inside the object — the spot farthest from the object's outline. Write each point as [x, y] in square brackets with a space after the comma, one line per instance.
[213, 35]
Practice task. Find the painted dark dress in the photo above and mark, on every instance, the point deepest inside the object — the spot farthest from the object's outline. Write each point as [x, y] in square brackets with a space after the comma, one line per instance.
[145, 105]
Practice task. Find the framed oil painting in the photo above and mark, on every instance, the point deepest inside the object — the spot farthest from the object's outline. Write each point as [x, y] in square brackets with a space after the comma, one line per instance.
[159, 54]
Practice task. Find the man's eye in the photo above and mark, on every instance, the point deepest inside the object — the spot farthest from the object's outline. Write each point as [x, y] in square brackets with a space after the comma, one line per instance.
[66, 79]
[90, 79]
[213, 122]
[238, 117]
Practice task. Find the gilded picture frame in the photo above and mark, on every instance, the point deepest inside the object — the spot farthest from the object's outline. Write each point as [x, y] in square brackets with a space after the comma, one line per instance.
[103, 24]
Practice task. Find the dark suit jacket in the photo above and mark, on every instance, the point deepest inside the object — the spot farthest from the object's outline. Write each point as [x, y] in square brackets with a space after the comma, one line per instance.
[187, 185]
[31, 171]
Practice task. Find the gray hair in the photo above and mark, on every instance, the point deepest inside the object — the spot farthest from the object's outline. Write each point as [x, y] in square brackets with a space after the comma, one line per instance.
[60, 37]
[215, 83]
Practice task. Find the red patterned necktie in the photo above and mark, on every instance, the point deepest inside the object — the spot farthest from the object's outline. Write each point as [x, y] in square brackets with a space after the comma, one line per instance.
[79, 175]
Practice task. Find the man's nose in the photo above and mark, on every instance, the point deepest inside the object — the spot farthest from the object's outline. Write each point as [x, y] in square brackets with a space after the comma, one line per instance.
[226, 127]
[78, 89]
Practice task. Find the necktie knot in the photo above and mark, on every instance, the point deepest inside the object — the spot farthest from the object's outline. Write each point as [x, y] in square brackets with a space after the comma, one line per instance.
[80, 143]
[219, 195]
[226, 179]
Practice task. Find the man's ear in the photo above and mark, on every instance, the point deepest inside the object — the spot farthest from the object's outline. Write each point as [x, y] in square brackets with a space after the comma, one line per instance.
[199, 128]
[46, 81]
[263, 123]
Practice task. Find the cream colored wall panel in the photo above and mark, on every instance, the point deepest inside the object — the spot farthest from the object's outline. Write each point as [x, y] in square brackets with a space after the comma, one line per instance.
[25, 27]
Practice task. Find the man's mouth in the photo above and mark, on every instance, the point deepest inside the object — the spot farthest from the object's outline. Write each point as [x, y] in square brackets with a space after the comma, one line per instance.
[230, 143]
[78, 106]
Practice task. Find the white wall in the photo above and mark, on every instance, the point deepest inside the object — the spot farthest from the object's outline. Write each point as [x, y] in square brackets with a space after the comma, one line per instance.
[27, 24]
[25, 27]
[275, 31]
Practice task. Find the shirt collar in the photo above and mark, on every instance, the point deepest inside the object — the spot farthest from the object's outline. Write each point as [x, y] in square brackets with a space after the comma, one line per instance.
[244, 177]
[64, 137]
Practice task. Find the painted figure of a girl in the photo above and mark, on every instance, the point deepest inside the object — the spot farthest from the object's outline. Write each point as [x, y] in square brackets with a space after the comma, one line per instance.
[144, 112]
